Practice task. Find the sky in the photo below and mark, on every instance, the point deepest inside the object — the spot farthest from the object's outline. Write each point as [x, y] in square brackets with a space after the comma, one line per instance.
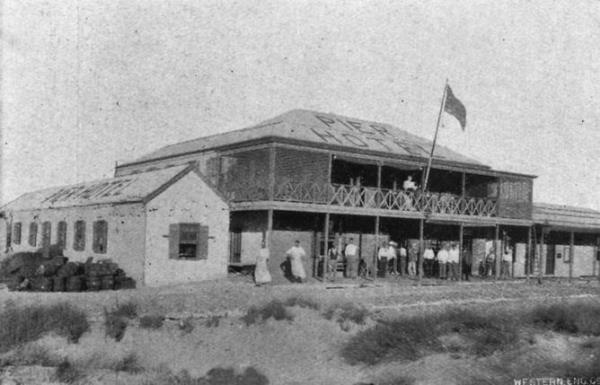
[86, 84]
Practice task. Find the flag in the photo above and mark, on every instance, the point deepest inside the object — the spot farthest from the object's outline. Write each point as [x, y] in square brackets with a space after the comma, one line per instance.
[455, 108]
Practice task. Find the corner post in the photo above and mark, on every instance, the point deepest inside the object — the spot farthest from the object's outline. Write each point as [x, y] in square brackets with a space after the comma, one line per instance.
[571, 254]
[497, 260]
[461, 231]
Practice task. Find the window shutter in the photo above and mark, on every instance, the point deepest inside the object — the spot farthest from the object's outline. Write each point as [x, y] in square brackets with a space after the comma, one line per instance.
[174, 240]
[202, 247]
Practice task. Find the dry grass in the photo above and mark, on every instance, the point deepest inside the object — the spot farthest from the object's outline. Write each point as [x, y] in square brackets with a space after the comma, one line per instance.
[303, 302]
[19, 325]
[67, 373]
[347, 313]
[215, 376]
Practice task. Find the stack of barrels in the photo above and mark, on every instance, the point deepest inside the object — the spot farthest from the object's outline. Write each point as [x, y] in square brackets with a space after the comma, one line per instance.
[59, 274]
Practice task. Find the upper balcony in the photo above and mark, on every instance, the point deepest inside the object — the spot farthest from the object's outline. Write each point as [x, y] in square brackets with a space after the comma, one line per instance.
[356, 197]
[289, 179]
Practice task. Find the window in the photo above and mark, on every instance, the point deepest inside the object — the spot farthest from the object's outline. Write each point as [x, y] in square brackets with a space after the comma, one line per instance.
[188, 241]
[8, 235]
[100, 235]
[61, 238]
[46, 234]
[79, 236]
[33, 227]
[17, 233]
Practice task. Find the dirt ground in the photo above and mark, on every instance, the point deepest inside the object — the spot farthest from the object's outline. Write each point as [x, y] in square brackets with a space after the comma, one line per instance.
[302, 351]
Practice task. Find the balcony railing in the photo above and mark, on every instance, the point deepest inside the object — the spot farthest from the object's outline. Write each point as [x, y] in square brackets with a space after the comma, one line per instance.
[369, 197]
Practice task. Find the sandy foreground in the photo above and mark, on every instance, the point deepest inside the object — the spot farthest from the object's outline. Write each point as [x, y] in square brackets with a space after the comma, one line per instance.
[302, 351]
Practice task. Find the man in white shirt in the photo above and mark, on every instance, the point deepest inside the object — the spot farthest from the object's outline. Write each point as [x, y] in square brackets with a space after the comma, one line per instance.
[507, 260]
[351, 254]
[382, 260]
[428, 257]
[393, 257]
[442, 257]
[409, 184]
[402, 255]
[453, 258]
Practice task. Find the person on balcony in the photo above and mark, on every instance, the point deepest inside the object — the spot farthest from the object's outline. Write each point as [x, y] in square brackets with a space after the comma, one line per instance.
[442, 257]
[402, 256]
[261, 271]
[409, 184]
[428, 257]
[393, 258]
[351, 254]
[507, 260]
[296, 254]
[453, 259]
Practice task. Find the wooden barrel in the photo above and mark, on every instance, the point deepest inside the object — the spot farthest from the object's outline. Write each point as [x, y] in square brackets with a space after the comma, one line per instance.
[74, 283]
[107, 282]
[58, 284]
[93, 283]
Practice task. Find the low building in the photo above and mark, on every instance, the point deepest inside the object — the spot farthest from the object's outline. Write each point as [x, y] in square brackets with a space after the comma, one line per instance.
[161, 226]
[324, 179]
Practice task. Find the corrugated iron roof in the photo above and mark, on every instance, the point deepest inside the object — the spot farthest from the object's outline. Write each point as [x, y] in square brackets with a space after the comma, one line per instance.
[565, 216]
[323, 129]
[129, 188]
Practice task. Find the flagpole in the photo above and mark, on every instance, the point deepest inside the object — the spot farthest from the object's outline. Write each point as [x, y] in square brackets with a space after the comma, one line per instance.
[437, 127]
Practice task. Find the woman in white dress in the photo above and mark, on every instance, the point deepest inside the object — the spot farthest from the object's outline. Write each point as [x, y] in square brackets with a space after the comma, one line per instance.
[261, 271]
[296, 253]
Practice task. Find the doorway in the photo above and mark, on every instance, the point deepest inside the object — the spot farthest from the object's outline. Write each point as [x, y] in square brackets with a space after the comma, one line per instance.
[550, 250]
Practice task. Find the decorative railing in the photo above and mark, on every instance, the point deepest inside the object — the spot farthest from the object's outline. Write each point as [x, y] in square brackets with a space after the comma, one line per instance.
[368, 197]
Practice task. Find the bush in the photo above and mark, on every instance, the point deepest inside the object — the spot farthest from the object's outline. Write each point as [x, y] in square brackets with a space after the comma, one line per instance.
[213, 320]
[152, 321]
[128, 364]
[126, 309]
[274, 309]
[67, 373]
[568, 318]
[30, 354]
[303, 302]
[410, 338]
[347, 312]
[23, 324]
[114, 326]
[215, 376]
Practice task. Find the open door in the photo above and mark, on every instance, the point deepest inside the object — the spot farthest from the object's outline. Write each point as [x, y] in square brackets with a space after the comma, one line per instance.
[235, 247]
[550, 258]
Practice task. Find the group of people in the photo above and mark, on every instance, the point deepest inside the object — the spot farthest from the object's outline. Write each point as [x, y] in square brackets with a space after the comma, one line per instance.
[392, 259]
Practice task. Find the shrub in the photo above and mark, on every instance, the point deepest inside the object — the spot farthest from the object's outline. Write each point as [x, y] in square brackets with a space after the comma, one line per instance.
[23, 324]
[152, 321]
[127, 309]
[346, 313]
[274, 309]
[67, 373]
[129, 364]
[215, 376]
[213, 320]
[303, 302]
[114, 326]
[30, 354]
[568, 318]
[410, 338]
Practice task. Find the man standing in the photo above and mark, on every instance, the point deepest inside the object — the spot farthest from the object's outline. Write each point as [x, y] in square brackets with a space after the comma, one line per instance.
[507, 259]
[393, 257]
[333, 259]
[428, 256]
[382, 260]
[442, 257]
[351, 254]
[413, 255]
[402, 260]
[453, 258]
[296, 254]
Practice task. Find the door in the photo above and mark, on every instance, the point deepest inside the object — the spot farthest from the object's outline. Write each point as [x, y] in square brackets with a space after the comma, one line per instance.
[235, 248]
[550, 250]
